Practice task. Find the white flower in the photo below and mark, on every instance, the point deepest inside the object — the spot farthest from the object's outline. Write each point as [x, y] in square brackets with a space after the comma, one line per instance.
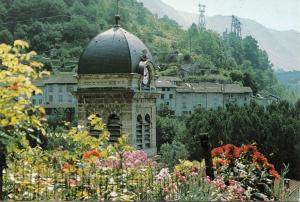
[111, 180]
[80, 127]
[113, 194]
[50, 188]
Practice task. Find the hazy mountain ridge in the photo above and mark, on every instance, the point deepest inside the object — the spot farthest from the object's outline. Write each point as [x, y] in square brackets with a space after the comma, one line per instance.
[283, 47]
[290, 79]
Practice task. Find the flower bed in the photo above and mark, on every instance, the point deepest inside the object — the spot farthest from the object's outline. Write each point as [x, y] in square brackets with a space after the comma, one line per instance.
[247, 166]
[91, 168]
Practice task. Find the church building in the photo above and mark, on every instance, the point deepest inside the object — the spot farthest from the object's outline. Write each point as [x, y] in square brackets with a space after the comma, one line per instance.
[116, 81]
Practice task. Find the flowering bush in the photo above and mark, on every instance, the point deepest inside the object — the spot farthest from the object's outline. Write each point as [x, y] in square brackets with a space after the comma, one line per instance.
[92, 169]
[189, 183]
[247, 166]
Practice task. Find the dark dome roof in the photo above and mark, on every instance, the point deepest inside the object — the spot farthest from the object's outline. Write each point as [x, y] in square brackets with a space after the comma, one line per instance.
[113, 51]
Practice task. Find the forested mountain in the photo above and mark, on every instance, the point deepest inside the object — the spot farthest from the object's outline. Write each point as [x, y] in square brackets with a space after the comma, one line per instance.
[283, 47]
[59, 30]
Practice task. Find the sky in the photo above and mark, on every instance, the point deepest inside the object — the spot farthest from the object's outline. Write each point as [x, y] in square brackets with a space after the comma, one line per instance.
[275, 14]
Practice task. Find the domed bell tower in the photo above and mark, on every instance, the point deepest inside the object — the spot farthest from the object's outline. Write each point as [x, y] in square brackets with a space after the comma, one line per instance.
[116, 82]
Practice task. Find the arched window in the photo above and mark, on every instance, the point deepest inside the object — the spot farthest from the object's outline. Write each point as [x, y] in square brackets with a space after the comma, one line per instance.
[114, 127]
[139, 132]
[147, 131]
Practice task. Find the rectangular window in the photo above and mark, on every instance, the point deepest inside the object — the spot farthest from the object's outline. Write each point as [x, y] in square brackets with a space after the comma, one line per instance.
[60, 89]
[40, 101]
[33, 101]
[60, 98]
[183, 105]
[162, 96]
[70, 88]
[167, 103]
[163, 89]
[171, 96]
[51, 88]
[168, 89]
[50, 98]
[70, 99]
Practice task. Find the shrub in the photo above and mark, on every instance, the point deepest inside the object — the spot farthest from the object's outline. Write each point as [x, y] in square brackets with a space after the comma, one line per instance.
[172, 153]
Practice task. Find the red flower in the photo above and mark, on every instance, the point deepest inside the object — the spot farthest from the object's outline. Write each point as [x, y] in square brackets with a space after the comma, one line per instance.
[90, 153]
[237, 152]
[220, 162]
[14, 86]
[228, 150]
[217, 151]
[248, 148]
[270, 166]
[67, 168]
[274, 173]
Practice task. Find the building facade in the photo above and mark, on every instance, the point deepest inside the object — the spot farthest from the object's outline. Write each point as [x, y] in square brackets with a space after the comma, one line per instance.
[182, 98]
[116, 82]
[57, 94]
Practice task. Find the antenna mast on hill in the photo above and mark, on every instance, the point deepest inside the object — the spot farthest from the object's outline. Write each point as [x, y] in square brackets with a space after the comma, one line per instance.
[202, 21]
[236, 26]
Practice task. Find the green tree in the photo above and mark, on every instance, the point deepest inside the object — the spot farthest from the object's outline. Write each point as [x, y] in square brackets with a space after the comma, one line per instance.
[172, 153]
[249, 82]
[18, 117]
[169, 129]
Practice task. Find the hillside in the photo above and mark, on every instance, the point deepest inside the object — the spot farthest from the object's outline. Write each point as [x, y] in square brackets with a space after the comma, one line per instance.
[60, 29]
[283, 47]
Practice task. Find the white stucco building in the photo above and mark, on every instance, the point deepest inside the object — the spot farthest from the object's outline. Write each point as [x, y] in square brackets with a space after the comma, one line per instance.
[182, 98]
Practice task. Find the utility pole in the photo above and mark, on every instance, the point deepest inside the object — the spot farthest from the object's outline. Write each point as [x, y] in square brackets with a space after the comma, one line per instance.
[239, 29]
[232, 23]
[202, 20]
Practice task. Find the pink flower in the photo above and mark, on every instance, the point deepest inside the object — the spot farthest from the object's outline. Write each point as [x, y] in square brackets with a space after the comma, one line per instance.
[97, 163]
[177, 173]
[232, 182]
[163, 174]
[195, 169]
[72, 183]
[182, 179]
[208, 179]
[135, 158]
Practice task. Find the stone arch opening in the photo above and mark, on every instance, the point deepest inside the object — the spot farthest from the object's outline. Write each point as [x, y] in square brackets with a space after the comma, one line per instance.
[114, 127]
[147, 131]
[139, 132]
